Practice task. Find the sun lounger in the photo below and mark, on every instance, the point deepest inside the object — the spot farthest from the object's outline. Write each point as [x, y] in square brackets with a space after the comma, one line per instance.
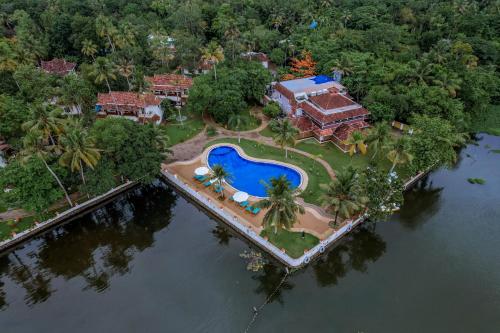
[253, 210]
[210, 182]
[244, 203]
[200, 178]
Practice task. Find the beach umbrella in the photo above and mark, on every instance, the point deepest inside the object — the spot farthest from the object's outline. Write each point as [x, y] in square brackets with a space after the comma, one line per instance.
[240, 196]
[201, 171]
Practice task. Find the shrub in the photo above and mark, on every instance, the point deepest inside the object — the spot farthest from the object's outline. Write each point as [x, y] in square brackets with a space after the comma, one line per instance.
[272, 110]
[211, 131]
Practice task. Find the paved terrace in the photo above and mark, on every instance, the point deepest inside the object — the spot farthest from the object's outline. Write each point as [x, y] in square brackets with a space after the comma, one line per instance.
[312, 221]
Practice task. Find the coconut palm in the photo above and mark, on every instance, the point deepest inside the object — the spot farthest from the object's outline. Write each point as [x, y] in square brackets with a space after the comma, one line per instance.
[343, 195]
[46, 119]
[161, 139]
[219, 175]
[285, 134]
[34, 147]
[89, 48]
[126, 69]
[212, 54]
[164, 53]
[106, 29]
[283, 209]
[78, 149]
[356, 141]
[378, 137]
[103, 70]
[398, 153]
[448, 81]
[236, 121]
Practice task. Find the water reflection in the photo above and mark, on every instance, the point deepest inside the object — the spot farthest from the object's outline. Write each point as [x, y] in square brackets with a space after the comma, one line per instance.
[97, 247]
[355, 251]
[269, 281]
[223, 234]
[424, 199]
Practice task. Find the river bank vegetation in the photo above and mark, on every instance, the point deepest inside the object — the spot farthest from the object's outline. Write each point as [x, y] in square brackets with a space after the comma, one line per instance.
[432, 65]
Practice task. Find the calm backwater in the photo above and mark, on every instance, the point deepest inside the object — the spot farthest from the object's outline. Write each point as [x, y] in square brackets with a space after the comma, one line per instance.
[152, 262]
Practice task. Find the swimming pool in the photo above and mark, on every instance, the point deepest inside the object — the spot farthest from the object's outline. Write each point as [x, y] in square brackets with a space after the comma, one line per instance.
[246, 175]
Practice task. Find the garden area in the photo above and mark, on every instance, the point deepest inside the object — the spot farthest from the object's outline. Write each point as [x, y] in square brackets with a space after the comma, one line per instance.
[292, 242]
[178, 132]
[248, 121]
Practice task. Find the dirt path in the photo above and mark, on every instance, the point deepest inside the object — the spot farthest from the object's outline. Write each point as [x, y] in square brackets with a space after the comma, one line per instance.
[192, 148]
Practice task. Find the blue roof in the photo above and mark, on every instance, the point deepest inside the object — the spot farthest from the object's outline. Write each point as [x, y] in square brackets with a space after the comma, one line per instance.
[322, 79]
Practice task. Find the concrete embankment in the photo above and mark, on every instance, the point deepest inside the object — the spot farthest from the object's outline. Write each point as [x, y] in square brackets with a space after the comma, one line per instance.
[65, 216]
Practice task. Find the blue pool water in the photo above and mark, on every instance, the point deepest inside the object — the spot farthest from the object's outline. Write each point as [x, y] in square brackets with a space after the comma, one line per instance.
[248, 175]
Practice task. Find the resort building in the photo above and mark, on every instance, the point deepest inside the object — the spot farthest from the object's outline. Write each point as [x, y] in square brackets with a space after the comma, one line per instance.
[320, 107]
[174, 87]
[203, 67]
[57, 66]
[143, 108]
[257, 56]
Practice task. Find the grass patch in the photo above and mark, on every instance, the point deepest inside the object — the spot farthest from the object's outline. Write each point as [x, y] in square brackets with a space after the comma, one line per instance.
[339, 160]
[488, 122]
[291, 241]
[267, 132]
[251, 122]
[316, 172]
[178, 132]
[479, 181]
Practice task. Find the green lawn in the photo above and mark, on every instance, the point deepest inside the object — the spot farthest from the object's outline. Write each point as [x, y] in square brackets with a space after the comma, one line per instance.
[251, 122]
[338, 160]
[292, 242]
[316, 172]
[267, 132]
[488, 122]
[178, 132]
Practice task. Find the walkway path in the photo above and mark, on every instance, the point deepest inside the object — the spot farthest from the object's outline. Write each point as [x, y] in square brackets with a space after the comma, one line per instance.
[191, 148]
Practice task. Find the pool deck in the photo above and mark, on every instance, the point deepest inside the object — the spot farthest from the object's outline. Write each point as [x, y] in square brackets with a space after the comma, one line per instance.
[314, 221]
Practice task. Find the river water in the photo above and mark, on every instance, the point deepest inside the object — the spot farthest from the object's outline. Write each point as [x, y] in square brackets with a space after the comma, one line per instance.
[152, 262]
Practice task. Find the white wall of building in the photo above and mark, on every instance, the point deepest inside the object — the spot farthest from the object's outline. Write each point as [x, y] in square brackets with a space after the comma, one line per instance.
[282, 101]
[151, 110]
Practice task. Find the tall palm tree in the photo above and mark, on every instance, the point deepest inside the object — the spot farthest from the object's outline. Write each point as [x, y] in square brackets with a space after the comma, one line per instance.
[398, 153]
[448, 81]
[285, 134]
[283, 209]
[89, 48]
[212, 54]
[106, 29]
[161, 139]
[236, 121]
[220, 175]
[103, 70]
[164, 53]
[343, 195]
[78, 148]
[46, 119]
[34, 147]
[126, 69]
[378, 137]
[356, 141]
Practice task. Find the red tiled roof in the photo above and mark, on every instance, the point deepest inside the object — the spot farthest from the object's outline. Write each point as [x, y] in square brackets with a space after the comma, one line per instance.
[169, 81]
[331, 101]
[324, 118]
[323, 132]
[343, 131]
[303, 124]
[127, 98]
[58, 66]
